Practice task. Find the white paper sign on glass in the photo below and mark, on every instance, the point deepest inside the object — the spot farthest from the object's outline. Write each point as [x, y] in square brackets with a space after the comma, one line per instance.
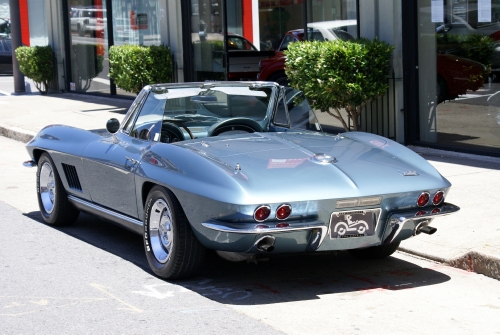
[484, 11]
[437, 11]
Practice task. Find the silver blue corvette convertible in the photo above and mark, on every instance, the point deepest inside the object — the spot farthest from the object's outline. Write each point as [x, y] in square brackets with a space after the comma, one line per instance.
[240, 168]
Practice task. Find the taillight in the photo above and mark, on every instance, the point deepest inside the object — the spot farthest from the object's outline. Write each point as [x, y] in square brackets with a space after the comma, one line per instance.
[262, 213]
[261, 226]
[435, 211]
[283, 212]
[423, 199]
[420, 213]
[438, 198]
[282, 225]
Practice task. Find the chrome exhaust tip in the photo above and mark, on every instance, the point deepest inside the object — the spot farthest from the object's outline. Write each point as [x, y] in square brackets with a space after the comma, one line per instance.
[428, 230]
[423, 227]
[265, 243]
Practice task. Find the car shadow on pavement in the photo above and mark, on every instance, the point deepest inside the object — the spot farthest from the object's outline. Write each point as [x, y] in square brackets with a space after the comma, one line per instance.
[278, 278]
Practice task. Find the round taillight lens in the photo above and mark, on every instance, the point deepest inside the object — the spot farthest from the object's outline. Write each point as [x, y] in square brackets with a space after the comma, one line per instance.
[420, 213]
[261, 226]
[435, 211]
[262, 213]
[282, 225]
[283, 212]
[438, 198]
[423, 199]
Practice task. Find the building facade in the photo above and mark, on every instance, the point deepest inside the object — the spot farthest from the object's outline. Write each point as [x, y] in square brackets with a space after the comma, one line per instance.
[445, 65]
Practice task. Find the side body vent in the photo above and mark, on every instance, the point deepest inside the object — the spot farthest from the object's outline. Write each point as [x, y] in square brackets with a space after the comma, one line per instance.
[72, 177]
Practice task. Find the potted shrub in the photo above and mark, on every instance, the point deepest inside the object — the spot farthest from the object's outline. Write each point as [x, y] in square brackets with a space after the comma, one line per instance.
[37, 63]
[338, 74]
[132, 66]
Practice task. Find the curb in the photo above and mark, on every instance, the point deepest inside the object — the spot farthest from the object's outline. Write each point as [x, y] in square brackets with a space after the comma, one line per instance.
[471, 261]
[16, 134]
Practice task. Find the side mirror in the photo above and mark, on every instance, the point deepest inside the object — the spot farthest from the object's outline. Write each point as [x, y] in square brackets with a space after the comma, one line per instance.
[113, 125]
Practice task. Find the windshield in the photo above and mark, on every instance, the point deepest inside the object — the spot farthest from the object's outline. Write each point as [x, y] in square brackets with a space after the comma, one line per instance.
[210, 103]
[190, 112]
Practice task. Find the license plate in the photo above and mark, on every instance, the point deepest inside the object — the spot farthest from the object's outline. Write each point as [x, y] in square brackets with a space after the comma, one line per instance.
[352, 224]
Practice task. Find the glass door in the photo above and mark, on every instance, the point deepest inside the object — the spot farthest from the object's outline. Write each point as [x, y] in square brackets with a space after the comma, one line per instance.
[207, 40]
[89, 46]
[459, 74]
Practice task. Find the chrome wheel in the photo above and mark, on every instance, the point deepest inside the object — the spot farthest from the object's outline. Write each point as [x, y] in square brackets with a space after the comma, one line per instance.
[47, 187]
[161, 231]
[172, 250]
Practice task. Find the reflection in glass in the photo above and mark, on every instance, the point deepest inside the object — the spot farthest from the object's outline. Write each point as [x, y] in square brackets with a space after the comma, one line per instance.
[89, 46]
[136, 23]
[459, 89]
[207, 38]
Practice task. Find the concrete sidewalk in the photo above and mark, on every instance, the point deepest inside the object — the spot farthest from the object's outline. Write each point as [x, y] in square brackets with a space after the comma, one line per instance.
[468, 240]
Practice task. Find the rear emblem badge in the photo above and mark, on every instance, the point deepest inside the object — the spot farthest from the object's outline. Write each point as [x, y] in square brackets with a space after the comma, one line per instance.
[409, 173]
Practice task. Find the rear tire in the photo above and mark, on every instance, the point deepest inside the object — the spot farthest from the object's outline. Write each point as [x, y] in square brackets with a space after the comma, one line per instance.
[172, 250]
[53, 200]
[379, 251]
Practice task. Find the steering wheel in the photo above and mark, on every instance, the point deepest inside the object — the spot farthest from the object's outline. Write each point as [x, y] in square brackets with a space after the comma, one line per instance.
[178, 123]
[236, 125]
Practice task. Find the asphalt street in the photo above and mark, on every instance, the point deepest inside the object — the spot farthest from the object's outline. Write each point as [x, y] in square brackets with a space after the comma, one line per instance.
[93, 277]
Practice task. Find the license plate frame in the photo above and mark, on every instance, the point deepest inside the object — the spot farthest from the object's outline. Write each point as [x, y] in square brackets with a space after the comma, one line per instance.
[354, 223]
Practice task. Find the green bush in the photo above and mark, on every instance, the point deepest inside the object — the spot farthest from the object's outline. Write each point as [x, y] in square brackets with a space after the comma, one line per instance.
[132, 66]
[339, 74]
[87, 63]
[475, 47]
[37, 63]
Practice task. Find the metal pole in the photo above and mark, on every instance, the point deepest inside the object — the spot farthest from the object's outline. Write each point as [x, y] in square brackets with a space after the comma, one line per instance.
[226, 53]
[15, 33]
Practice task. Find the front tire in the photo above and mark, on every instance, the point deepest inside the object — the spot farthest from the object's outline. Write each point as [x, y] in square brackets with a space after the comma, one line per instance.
[379, 251]
[172, 250]
[53, 200]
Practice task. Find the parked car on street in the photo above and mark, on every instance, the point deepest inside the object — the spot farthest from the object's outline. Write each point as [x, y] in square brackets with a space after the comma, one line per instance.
[5, 55]
[243, 56]
[457, 75]
[91, 20]
[273, 68]
[4, 27]
[242, 168]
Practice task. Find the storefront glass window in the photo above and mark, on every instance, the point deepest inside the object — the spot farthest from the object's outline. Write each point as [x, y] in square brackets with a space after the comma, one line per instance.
[207, 38]
[38, 23]
[89, 46]
[276, 18]
[136, 23]
[459, 73]
[332, 19]
[4, 17]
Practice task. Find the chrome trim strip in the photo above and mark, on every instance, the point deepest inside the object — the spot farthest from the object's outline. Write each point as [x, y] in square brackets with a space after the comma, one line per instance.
[316, 224]
[401, 218]
[29, 164]
[105, 211]
[219, 226]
